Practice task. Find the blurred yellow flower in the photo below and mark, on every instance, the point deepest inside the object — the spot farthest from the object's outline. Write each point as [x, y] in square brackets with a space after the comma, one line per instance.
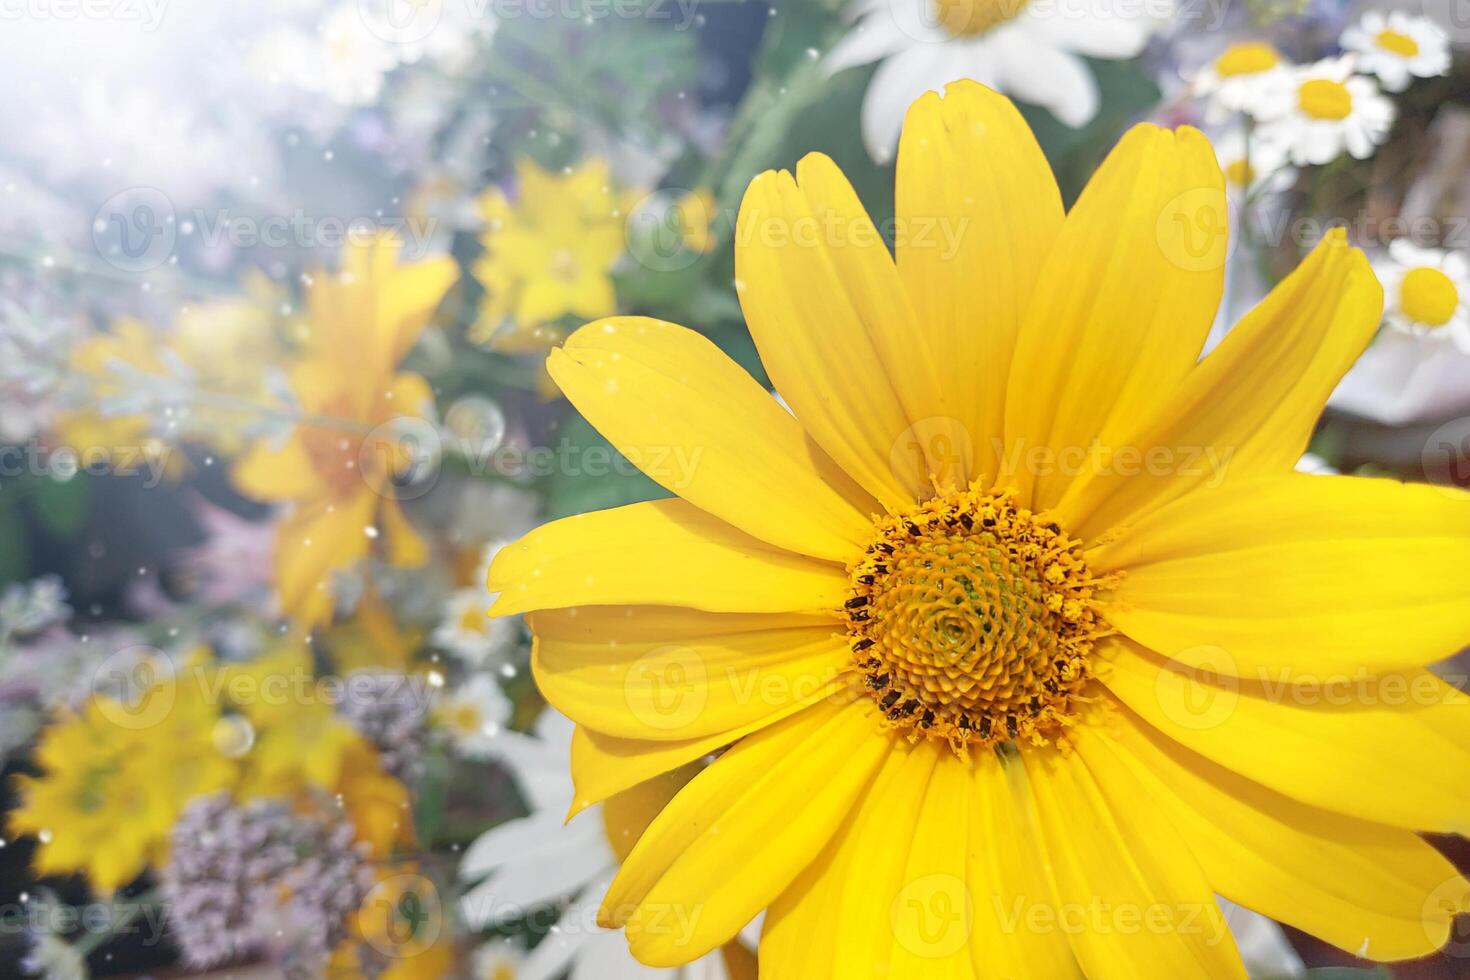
[337, 465]
[219, 351]
[696, 215]
[114, 778]
[405, 921]
[549, 254]
[229, 345]
[128, 439]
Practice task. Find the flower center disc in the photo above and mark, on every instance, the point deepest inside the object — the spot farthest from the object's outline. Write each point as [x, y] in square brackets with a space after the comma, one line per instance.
[1398, 43]
[1428, 296]
[1322, 98]
[971, 18]
[972, 621]
[1247, 58]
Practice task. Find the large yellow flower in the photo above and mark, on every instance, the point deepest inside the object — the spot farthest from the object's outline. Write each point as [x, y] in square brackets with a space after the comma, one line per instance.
[337, 466]
[1010, 678]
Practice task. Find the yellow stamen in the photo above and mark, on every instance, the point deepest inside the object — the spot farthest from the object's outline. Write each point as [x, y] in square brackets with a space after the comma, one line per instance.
[970, 18]
[971, 620]
[1428, 296]
[1322, 98]
[1247, 58]
[1398, 43]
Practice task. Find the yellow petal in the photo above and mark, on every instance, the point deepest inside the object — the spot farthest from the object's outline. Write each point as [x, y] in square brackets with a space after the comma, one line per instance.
[661, 552]
[671, 674]
[1361, 886]
[1249, 407]
[311, 544]
[603, 765]
[284, 472]
[814, 764]
[933, 915]
[834, 327]
[696, 423]
[836, 918]
[1391, 749]
[1013, 898]
[1122, 306]
[978, 210]
[1321, 575]
[1134, 901]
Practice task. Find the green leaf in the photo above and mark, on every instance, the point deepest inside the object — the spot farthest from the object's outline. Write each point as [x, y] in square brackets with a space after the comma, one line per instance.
[589, 474]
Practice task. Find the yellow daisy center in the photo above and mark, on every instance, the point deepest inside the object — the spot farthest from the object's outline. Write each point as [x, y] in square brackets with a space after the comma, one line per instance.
[473, 620]
[467, 719]
[972, 621]
[1428, 296]
[1247, 58]
[1240, 173]
[1398, 42]
[1322, 98]
[970, 18]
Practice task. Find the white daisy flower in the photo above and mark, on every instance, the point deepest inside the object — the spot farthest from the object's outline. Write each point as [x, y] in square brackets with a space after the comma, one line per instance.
[1234, 80]
[1252, 168]
[469, 635]
[1314, 113]
[531, 866]
[1398, 48]
[1400, 380]
[1031, 49]
[466, 632]
[474, 714]
[499, 959]
[1426, 292]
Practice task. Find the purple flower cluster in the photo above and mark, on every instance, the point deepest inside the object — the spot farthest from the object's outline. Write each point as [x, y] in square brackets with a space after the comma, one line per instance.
[391, 710]
[256, 877]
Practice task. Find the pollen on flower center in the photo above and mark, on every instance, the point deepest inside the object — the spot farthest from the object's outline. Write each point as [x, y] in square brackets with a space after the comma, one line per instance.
[1322, 98]
[1428, 296]
[971, 620]
[970, 18]
[1398, 43]
[1247, 58]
